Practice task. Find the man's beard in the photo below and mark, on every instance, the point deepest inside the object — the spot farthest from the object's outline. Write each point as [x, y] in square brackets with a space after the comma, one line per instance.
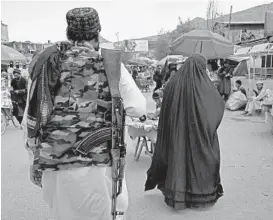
[97, 48]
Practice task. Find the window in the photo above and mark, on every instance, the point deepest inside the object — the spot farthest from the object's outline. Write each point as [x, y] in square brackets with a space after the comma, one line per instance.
[267, 61]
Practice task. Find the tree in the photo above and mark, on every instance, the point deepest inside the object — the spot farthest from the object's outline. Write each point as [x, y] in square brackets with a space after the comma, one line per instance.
[212, 14]
[220, 27]
[162, 44]
[165, 38]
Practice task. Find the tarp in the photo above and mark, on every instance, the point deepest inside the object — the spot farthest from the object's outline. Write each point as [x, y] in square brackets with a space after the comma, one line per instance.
[171, 59]
[241, 69]
[261, 48]
[242, 51]
[237, 58]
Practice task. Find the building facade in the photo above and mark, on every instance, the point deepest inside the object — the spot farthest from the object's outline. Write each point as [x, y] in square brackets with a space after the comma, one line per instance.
[4, 32]
[242, 31]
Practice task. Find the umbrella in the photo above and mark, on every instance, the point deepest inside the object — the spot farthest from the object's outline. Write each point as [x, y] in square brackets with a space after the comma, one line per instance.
[210, 44]
[171, 59]
[9, 54]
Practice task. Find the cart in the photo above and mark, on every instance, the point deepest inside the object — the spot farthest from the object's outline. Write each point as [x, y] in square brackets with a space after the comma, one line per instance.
[144, 84]
[6, 110]
[146, 132]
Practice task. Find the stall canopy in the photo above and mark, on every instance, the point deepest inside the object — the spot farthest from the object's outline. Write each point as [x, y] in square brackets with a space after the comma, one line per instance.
[243, 51]
[9, 54]
[171, 59]
[261, 48]
[242, 67]
[236, 48]
[211, 45]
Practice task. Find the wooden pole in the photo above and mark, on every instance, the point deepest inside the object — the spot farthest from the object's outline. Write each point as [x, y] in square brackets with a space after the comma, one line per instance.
[229, 21]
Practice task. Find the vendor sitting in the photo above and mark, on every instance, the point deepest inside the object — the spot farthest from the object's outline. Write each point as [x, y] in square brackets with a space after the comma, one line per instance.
[157, 97]
[239, 87]
[255, 103]
[268, 104]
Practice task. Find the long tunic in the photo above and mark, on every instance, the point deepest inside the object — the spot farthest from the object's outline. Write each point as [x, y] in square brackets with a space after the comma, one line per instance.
[224, 86]
[85, 193]
[186, 162]
[21, 86]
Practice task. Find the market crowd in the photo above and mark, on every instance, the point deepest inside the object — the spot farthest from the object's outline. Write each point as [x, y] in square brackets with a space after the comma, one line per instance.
[69, 99]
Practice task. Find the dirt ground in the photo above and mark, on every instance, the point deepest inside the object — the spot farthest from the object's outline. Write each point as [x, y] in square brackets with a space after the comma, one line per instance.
[246, 170]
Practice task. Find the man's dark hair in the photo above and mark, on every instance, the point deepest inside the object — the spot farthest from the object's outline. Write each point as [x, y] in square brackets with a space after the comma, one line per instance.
[81, 36]
[238, 82]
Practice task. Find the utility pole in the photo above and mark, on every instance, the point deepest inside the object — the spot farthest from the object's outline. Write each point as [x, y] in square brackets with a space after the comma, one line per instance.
[117, 34]
[229, 21]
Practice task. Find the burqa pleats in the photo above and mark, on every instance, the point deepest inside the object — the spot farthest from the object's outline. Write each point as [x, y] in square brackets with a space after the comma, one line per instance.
[186, 163]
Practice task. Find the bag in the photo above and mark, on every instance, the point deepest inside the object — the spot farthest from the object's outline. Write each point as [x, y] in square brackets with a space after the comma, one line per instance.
[236, 101]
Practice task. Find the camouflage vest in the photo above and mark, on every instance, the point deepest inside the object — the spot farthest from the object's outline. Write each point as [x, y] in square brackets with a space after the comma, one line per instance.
[81, 106]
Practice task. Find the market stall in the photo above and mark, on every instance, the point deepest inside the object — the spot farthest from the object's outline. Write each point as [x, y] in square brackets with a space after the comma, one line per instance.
[145, 132]
[261, 61]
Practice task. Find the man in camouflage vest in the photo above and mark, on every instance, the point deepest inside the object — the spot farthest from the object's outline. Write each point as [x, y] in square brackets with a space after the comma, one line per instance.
[67, 81]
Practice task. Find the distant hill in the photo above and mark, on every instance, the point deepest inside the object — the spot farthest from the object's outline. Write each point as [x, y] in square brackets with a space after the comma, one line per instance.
[103, 40]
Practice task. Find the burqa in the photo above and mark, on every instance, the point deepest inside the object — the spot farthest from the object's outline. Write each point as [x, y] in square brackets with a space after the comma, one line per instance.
[186, 162]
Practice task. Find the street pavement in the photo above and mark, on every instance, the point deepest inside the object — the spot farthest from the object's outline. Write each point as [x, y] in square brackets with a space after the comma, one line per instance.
[246, 171]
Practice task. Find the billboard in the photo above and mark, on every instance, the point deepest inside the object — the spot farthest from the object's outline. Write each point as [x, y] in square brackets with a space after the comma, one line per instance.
[136, 45]
[268, 24]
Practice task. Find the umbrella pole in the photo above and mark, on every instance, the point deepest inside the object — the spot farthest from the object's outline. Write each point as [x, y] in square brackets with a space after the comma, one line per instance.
[201, 47]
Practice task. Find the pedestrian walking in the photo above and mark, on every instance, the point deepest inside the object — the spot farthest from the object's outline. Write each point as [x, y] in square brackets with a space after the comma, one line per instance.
[68, 79]
[186, 162]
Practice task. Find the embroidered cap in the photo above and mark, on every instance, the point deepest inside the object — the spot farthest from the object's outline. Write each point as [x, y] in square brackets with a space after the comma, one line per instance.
[84, 20]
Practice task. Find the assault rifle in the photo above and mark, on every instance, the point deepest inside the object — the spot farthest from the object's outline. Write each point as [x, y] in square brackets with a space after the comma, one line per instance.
[112, 65]
[115, 133]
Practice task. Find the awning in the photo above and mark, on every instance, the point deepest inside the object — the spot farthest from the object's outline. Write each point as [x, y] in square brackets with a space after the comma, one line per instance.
[242, 51]
[237, 58]
[261, 48]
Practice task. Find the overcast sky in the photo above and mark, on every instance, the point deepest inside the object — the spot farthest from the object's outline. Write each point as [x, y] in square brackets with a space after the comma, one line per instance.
[39, 21]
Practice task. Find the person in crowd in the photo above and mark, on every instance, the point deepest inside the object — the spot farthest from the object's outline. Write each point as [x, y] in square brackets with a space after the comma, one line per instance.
[186, 162]
[158, 78]
[268, 104]
[254, 103]
[24, 71]
[225, 75]
[172, 70]
[135, 73]
[62, 111]
[17, 65]
[19, 95]
[157, 97]
[11, 68]
[214, 65]
[4, 78]
[239, 87]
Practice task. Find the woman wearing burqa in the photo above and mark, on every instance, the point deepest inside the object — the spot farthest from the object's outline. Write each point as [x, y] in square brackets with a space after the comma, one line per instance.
[186, 163]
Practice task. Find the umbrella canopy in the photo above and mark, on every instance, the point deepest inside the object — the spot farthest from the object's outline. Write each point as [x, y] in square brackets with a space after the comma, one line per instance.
[171, 59]
[210, 44]
[140, 61]
[9, 54]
